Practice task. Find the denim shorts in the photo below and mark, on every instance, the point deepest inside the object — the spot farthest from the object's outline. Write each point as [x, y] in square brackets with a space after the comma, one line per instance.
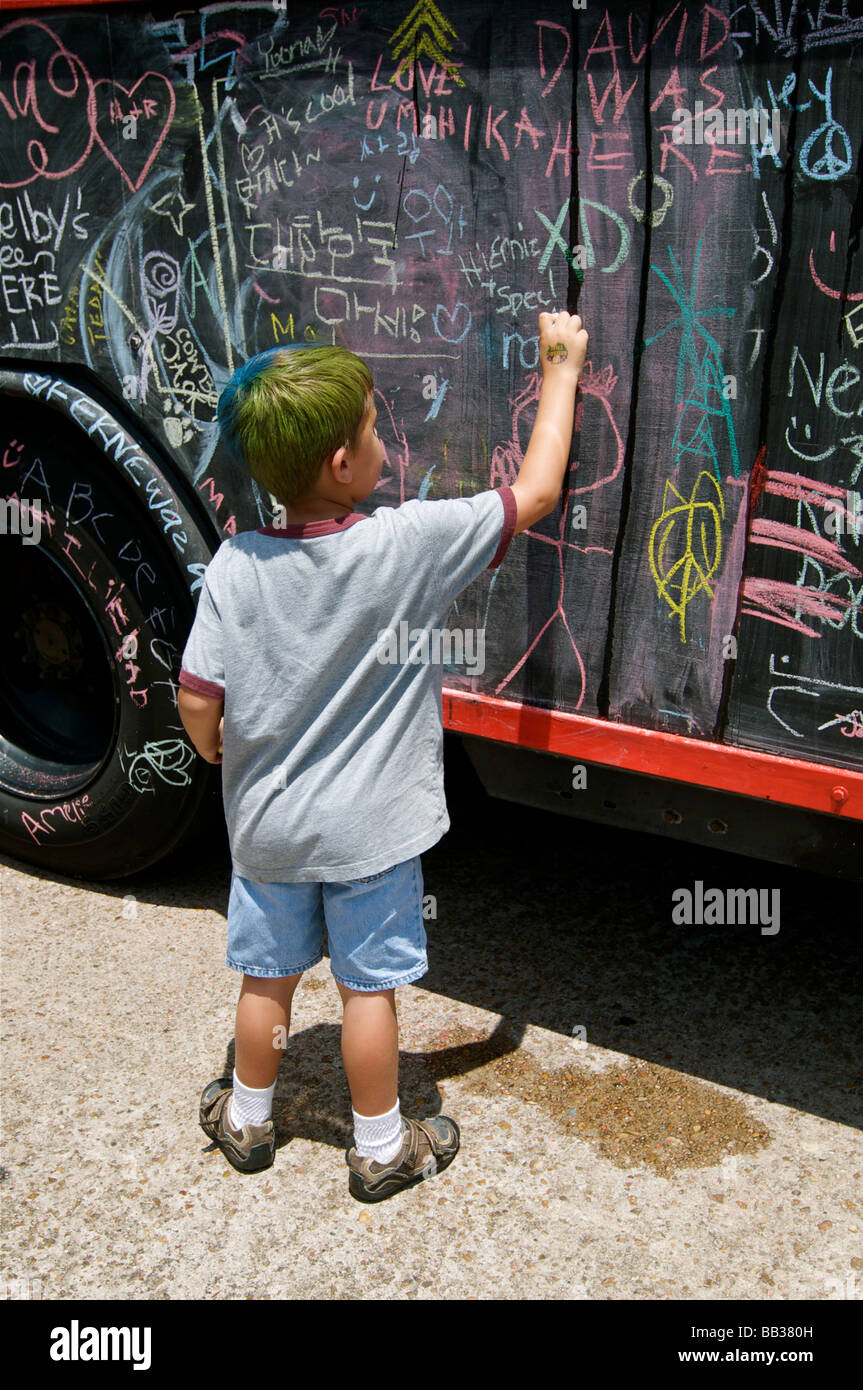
[374, 925]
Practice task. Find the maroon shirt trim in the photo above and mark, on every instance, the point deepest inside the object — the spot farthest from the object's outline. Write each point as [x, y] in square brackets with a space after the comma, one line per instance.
[305, 530]
[200, 686]
[331, 526]
[510, 516]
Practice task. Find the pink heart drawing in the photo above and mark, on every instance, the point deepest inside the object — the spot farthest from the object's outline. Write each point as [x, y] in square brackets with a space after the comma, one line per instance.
[148, 133]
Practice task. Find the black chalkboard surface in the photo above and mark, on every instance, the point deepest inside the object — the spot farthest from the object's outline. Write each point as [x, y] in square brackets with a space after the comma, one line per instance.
[181, 190]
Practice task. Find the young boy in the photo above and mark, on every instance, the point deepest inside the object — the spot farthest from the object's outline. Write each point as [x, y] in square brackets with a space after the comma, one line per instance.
[332, 756]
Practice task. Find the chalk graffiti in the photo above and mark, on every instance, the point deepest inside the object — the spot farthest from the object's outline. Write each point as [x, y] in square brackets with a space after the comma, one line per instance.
[160, 285]
[49, 94]
[797, 605]
[811, 687]
[505, 462]
[835, 155]
[686, 544]
[72, 812]
[167, 759]
[50, 106]
[705, 400]
[110, 103]
[424, 31]
[408, 184]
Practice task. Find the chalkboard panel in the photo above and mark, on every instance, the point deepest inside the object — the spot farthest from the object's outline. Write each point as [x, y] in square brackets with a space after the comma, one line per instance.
[180, 190]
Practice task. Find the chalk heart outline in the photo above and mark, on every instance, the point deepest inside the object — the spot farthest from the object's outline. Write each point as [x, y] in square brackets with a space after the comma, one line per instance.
[442, 311]
[129, 92]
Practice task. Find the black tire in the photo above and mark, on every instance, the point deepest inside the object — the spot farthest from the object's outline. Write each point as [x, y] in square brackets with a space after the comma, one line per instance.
[98, 778]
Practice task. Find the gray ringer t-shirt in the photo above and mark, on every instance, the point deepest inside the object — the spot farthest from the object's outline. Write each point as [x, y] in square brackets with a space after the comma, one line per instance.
[332, 759]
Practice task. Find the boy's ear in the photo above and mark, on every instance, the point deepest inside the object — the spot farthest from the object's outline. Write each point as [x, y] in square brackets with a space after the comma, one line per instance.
[338, 462]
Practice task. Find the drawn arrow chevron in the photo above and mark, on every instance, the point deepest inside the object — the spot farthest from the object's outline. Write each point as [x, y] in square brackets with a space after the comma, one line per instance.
[424, 31]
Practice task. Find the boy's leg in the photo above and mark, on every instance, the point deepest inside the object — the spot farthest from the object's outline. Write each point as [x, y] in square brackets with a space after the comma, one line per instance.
[263, 1009]
[370, 1048]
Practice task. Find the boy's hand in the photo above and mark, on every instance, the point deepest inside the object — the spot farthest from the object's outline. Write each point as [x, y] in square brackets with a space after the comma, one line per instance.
[210, 754]
[203, 720]
[562, 350]
[562, 344]
[216, 756]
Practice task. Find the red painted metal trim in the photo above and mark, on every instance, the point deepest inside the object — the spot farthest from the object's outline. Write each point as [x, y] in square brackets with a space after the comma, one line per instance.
[57, 4]
[814, 786]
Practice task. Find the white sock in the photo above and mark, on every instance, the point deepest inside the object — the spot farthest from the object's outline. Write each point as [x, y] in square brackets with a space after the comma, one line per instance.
[379, 1136]
[250, 1107]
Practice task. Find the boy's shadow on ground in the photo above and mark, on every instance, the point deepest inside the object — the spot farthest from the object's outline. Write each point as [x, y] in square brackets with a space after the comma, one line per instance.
[566, 926]
[312, 1099]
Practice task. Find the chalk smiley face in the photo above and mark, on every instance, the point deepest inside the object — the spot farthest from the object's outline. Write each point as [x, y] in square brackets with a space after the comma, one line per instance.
[828, 289]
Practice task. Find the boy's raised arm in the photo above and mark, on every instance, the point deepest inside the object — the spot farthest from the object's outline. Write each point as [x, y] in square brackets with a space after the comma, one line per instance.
[562, 350]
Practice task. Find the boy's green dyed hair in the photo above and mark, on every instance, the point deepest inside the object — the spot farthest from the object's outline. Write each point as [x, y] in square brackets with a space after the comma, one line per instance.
[286, 410]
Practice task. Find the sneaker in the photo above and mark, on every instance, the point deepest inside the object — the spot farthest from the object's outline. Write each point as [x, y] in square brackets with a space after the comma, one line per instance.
[249, 1149]
[428, 1146]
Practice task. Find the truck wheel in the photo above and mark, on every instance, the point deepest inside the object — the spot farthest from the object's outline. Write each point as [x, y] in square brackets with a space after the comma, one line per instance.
[98, 565]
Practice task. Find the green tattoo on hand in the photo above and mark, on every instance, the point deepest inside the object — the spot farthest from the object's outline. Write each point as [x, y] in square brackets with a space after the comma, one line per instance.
[557, 352]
